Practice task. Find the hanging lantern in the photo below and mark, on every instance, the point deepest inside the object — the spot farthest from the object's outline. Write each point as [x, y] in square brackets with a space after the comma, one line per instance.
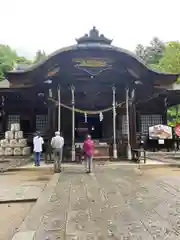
[85, 117]
[100, 116]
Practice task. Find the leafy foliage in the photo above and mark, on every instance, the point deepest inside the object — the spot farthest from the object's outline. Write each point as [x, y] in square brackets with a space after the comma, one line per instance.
[9, 58]
[170, 62]
[23, 60]
[141, 52]
[165, 58]
[40, 56]
[173, 115]
[161, 56]
[152, 53]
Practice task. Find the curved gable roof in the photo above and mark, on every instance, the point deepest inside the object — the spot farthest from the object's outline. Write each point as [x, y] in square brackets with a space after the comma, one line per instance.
[100, 42]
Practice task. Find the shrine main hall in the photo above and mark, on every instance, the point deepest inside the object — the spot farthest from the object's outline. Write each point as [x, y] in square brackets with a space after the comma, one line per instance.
[91, 87]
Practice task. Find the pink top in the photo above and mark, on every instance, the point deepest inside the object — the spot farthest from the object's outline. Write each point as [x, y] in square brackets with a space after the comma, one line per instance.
[88, 147]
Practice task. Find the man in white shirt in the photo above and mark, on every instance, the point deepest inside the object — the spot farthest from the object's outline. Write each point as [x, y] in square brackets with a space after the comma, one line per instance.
[57, 144]
[37, 143]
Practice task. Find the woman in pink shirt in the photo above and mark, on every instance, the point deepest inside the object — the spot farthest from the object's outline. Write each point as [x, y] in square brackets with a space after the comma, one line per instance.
[88, 148]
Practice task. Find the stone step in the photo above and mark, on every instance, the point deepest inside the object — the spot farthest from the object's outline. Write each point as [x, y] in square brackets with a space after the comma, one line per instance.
[29, 235]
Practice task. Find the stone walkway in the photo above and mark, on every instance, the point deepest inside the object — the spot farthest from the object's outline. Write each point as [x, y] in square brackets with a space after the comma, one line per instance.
[7, 163]
[166, 158]
[149, 162]
[113, 203]
[22, 186]
[20, 192]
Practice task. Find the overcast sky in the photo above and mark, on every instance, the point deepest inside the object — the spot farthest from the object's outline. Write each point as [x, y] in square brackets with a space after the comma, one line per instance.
[29, 25]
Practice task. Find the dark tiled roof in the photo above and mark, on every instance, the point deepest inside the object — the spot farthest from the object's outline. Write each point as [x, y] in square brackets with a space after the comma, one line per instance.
[22, 66]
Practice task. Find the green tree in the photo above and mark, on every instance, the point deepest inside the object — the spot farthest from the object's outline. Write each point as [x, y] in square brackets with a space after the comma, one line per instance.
[40, 56]
[155, 51]
[7, 59]
[23, 60]
[140, 52]
[170, 62]
[152, 53]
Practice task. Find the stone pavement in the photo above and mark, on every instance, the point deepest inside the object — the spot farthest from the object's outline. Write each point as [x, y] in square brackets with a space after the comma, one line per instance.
[20, 192]
[7, 163]
[166, 157]
[114, 202]
[149, 162]
[22, 186]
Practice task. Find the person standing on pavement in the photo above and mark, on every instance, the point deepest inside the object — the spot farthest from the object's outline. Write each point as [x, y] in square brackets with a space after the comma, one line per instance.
[88, 148]
[57, 144]
[37, 143]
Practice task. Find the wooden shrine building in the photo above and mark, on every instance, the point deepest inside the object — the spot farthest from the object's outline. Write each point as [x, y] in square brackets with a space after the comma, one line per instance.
[102, 89]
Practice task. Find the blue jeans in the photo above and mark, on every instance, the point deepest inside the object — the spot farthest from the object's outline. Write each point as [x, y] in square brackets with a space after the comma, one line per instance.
[37, 158]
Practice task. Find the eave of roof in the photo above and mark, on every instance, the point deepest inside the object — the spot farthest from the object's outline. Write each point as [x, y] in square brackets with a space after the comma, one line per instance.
[91, 46]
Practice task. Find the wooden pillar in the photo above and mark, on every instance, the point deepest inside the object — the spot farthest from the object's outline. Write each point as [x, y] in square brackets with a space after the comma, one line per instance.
[50, 115]
[33, 120]
[114, 123]
[164, 114]
[132, 121]
[3, 114]
[129, 152]
[59, 109]
[50, 133]
[54, 112]
[73, 123]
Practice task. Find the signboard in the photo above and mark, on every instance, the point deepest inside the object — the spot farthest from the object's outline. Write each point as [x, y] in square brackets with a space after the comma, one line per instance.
[177, 130]
[93, 66]
[160, 132]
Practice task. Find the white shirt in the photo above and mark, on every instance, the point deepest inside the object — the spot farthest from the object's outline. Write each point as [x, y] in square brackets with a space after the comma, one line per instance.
[57, 142]
[38, 142]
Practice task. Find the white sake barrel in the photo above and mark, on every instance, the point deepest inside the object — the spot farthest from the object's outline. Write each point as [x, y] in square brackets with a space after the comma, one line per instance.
[1, 151]
[9, 135]
[4, 143]
[13, 143]
[16, 127]
[17, 151]
[26, 151]
[12, 127]
[8, 151]
[22, 142]
[18, 135]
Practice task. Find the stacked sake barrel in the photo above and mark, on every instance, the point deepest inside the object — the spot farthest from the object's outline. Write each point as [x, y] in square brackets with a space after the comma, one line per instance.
[14, 144]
